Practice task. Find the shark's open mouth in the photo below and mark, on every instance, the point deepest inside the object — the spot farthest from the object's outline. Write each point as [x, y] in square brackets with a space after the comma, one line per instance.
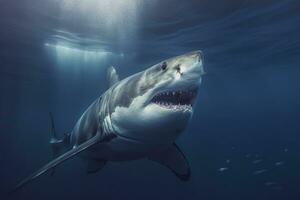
[175, 99]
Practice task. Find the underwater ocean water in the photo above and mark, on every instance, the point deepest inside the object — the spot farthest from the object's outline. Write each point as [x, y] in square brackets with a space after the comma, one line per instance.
[243, 141]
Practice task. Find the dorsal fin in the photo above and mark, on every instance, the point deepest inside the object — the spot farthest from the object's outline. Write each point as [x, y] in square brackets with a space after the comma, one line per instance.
[112, 76]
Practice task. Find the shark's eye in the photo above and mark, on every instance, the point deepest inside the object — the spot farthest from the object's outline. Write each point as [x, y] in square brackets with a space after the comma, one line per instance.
[164, 66]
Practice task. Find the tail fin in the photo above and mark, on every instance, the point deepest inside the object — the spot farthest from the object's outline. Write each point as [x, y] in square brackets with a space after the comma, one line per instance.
[57, 145]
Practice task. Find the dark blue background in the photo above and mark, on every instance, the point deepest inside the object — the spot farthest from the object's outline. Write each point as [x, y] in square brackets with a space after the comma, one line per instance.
[248, 108]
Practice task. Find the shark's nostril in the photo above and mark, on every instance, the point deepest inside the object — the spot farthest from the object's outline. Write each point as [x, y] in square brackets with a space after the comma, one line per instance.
[178, 69]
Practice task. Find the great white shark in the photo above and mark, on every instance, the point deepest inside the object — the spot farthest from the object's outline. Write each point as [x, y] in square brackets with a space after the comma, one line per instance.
[137, 117]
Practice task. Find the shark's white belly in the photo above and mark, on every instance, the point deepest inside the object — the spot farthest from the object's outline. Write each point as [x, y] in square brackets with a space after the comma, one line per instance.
[122, 149]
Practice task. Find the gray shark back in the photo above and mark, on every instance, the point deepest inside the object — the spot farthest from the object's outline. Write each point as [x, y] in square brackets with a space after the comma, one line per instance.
[87, 125]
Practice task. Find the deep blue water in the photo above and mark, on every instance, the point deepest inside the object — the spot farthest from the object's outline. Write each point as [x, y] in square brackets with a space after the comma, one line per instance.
[54, 56]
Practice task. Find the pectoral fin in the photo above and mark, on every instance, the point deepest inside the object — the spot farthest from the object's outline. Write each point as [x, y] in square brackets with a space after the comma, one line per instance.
[60, 159]
[174, 159]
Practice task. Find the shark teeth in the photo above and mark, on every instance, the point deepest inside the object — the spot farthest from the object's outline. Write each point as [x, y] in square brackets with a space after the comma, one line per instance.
[175, 99]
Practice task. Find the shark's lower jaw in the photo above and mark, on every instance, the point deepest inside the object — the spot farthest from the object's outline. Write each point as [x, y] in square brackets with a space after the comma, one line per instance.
[175, 100]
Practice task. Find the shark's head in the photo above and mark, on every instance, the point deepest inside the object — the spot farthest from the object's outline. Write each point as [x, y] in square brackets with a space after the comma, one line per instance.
[155, 105]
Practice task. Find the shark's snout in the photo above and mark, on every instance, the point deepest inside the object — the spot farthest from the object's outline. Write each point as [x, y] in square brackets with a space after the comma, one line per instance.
[198, 55]
[192, 67]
